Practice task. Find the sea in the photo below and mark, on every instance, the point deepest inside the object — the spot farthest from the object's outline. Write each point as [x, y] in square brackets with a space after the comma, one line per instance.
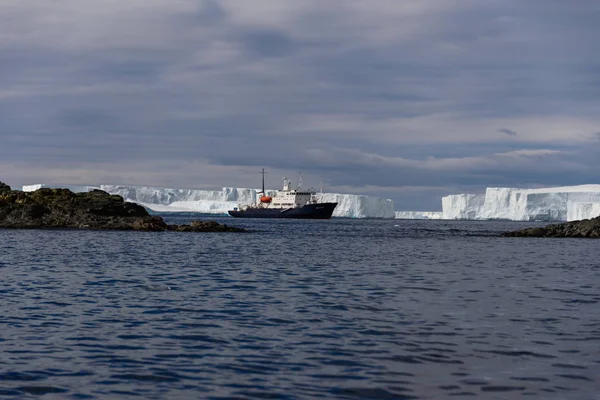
[338, 309]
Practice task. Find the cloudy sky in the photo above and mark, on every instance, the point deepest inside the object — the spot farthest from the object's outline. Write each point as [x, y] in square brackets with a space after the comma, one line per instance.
[406, 99]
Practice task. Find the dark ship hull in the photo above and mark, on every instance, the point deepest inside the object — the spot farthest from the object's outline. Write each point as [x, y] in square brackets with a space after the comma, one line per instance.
[308, 211]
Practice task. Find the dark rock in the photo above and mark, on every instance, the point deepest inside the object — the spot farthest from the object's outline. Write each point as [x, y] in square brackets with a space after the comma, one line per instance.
[212, 226]
[61, 208]
[587, 228]
[204, 226]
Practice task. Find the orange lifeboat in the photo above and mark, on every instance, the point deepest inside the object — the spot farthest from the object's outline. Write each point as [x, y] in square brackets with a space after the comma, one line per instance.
[266, 199]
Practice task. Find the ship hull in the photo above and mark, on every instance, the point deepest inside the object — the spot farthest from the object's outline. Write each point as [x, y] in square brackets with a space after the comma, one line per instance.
[309, 211]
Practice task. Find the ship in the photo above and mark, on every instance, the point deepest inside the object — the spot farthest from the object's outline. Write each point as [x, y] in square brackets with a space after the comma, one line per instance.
[286, 203]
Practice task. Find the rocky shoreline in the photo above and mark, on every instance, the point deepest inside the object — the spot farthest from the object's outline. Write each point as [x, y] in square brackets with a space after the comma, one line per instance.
[63, 209]
[587, 228]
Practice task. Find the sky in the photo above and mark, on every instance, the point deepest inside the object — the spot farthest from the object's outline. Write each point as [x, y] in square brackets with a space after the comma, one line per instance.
[404, 99]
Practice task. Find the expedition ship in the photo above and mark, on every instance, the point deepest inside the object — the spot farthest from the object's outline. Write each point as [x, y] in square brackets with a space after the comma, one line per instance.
[286, 203]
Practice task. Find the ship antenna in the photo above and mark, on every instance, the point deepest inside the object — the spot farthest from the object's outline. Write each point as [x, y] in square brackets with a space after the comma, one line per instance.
[321, 187]
[263, 180]
[299, 180]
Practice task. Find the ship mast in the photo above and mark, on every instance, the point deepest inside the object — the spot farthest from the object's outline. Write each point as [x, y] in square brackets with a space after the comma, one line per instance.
[263, 181]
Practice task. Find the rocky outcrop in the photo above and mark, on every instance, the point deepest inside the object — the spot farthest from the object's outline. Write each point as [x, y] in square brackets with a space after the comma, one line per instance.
[203, 226]
[61, 208]
[587, 228]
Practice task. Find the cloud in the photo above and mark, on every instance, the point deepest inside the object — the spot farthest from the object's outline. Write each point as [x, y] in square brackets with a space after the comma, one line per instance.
[267, 43]
[345, 157]
[507, 132]
[373, 97]
[529, 153]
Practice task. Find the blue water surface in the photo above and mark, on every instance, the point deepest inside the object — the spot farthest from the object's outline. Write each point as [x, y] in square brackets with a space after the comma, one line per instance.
[345, 309]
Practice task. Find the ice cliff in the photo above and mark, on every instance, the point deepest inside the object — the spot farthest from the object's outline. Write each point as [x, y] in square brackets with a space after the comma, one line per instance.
[220, 201]
[579, 211]
[358, 206]
[419, 215]
[462, 206]
[548, 204]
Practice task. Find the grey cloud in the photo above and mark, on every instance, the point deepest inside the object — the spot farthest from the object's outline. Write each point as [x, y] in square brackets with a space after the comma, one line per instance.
[267, 43]
[507, 132]
[211, 13]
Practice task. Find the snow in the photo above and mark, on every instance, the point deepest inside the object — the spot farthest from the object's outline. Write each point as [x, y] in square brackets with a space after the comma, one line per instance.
[545, 204]
[220, 201]
[419, 215]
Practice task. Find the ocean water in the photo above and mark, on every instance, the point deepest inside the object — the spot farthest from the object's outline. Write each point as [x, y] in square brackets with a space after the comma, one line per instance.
[344, 309]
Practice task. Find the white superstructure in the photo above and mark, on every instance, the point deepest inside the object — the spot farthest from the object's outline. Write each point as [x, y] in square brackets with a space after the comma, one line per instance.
[285, 198]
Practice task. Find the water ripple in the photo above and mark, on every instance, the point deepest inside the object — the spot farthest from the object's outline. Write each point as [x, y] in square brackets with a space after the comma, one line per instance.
[349, 309]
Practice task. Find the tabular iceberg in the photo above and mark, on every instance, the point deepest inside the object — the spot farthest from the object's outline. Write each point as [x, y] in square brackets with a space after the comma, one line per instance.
[419, 215]
[221, 201]
[579, 211]
[462, 206]
[358, 206]
[547, 204]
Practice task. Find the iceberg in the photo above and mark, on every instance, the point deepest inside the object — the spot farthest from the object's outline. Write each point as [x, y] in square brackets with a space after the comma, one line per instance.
[462, 206]
[545, 204]
[579, 211]
[220, 201]
[419, 215]
[358, 206]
